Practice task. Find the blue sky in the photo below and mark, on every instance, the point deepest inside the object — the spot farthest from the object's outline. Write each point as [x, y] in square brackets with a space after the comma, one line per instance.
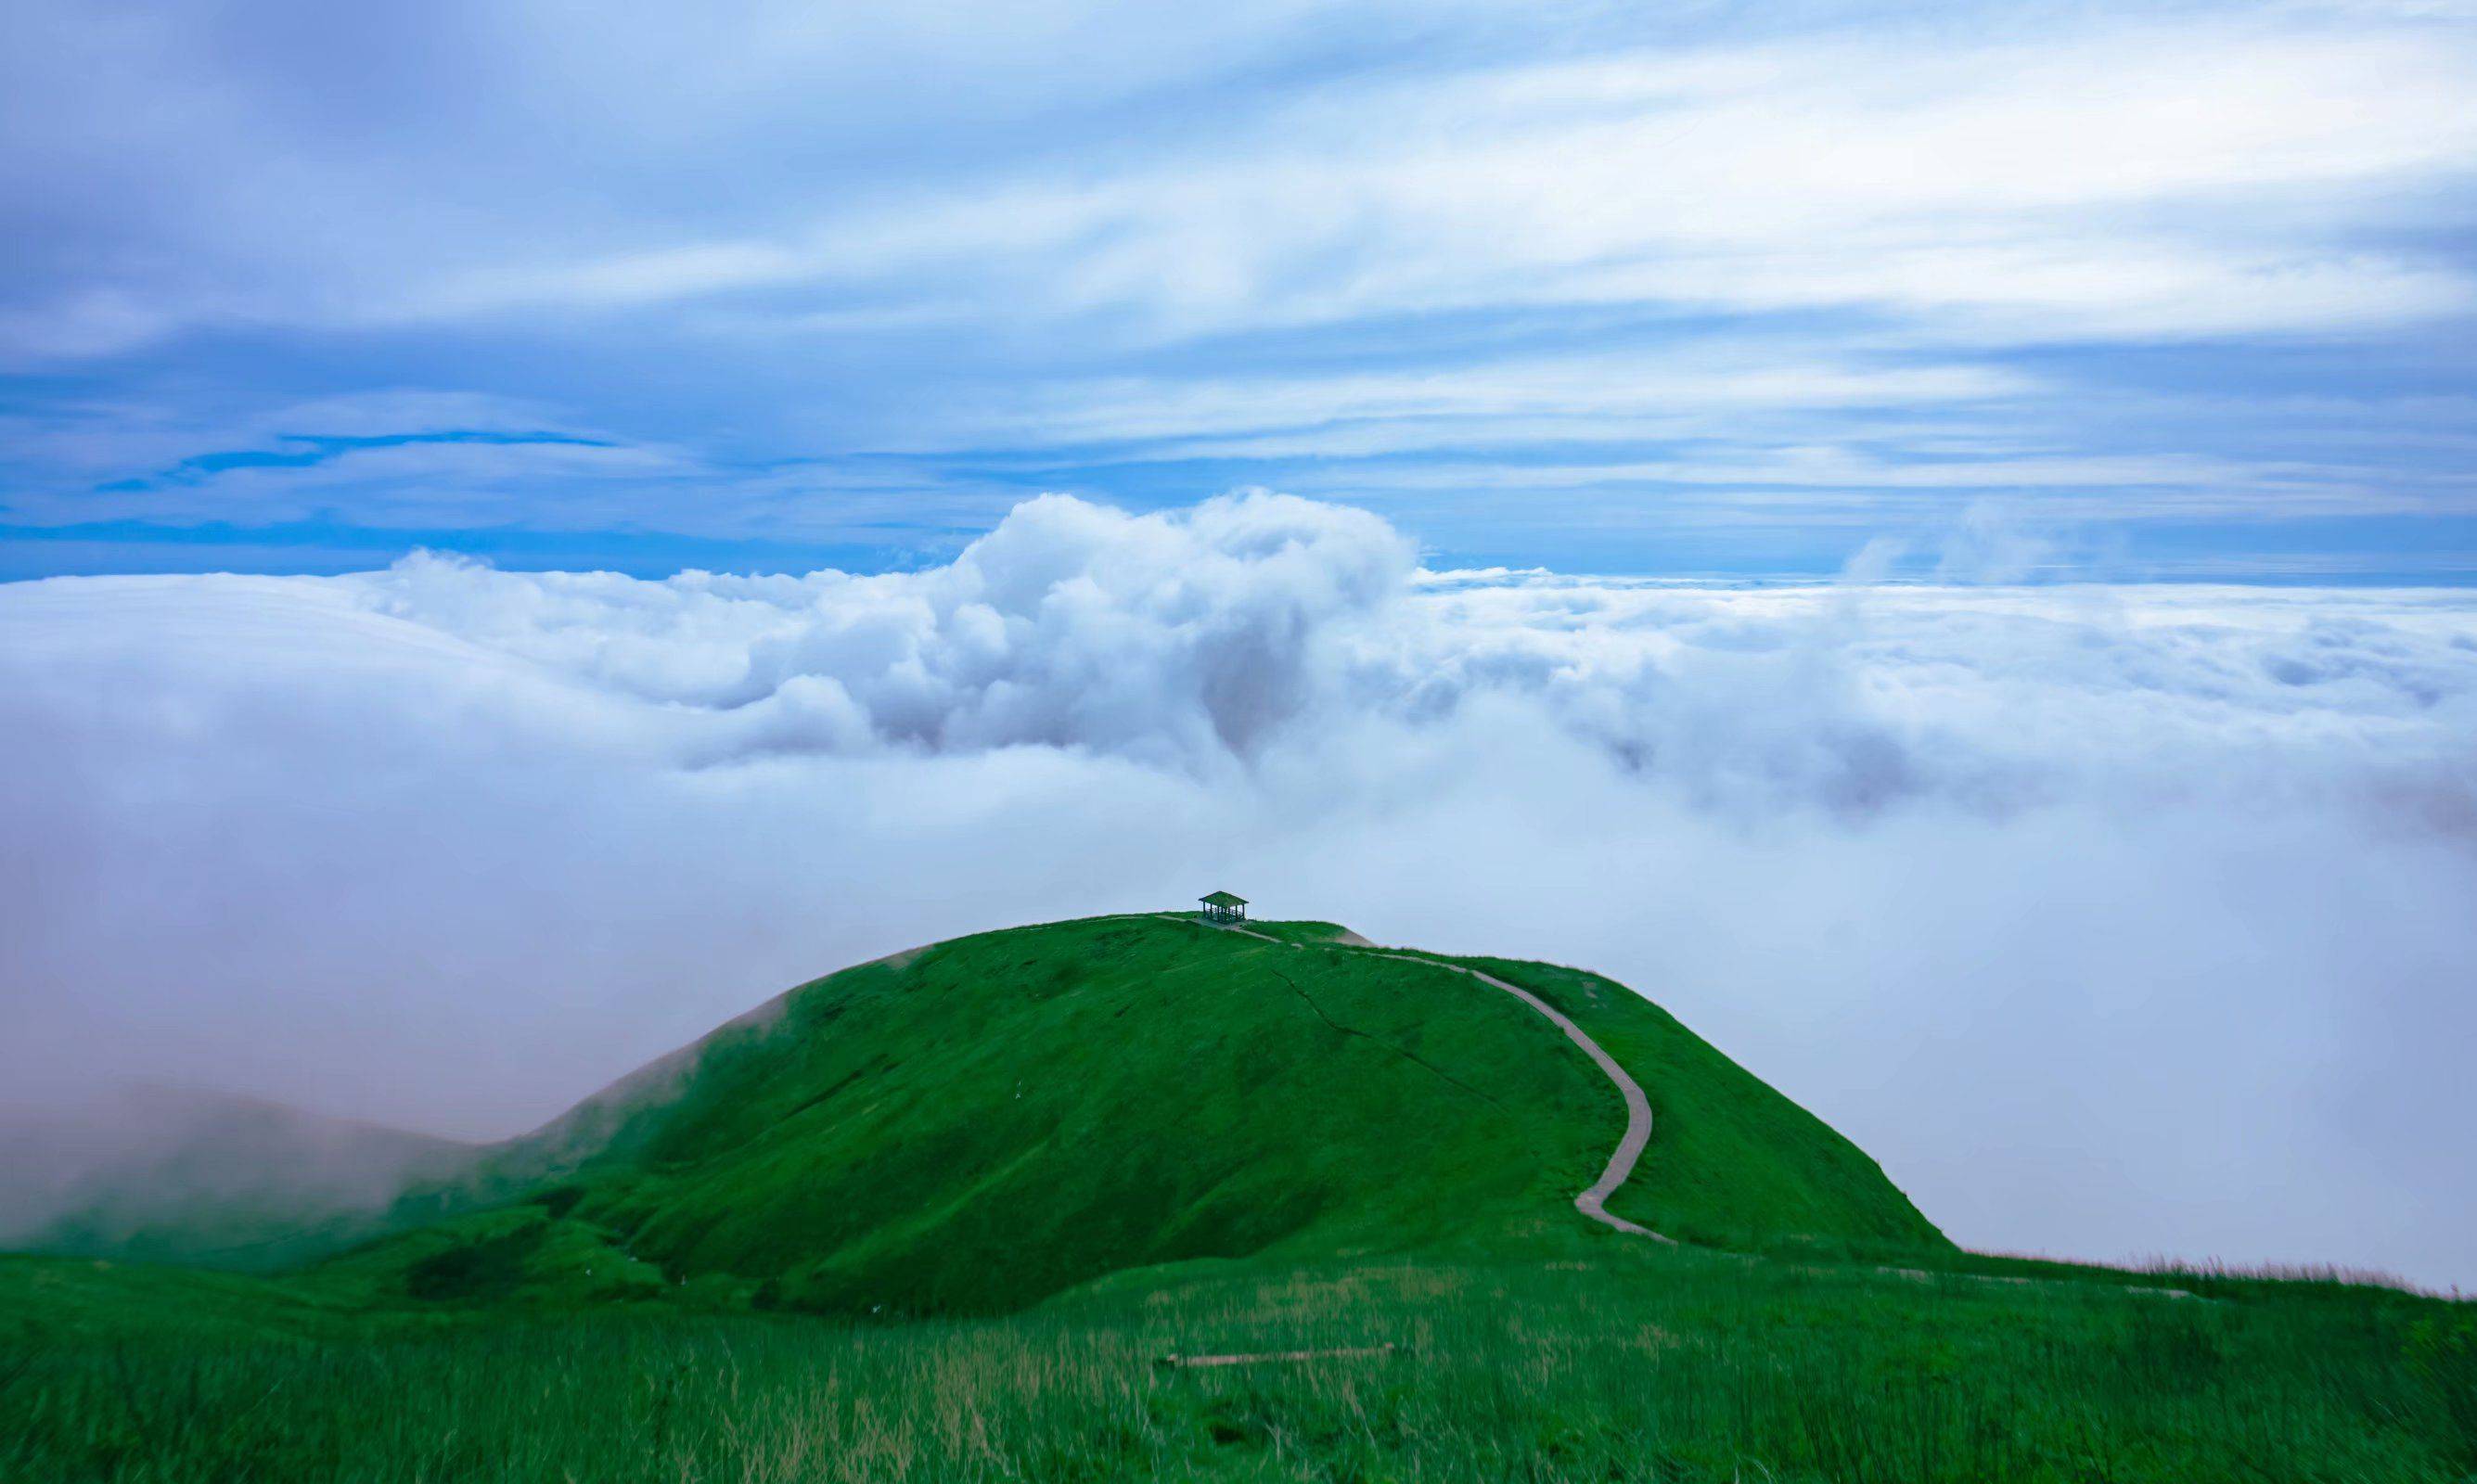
[2015, 291]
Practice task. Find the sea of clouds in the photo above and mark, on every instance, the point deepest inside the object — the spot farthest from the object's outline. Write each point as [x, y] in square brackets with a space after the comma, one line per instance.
[2114, 920]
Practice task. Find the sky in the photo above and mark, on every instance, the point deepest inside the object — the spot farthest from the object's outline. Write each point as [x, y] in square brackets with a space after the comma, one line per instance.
[1935, 543]
[1698, 288]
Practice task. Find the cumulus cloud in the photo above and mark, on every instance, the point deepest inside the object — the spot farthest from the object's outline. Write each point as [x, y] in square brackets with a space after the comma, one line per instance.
[2114, 920]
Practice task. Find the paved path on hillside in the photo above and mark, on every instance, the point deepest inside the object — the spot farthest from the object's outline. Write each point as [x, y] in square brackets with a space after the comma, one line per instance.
[1594, 1202]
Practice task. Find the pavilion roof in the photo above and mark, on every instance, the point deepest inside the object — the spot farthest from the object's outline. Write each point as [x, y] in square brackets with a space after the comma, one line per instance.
[1223, 899]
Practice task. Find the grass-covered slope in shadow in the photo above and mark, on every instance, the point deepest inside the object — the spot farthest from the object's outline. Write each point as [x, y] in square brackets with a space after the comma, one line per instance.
[986, 1121]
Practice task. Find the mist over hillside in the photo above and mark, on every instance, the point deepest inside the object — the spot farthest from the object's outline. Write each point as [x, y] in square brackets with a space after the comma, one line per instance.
[2110, 919]
[184, 1173]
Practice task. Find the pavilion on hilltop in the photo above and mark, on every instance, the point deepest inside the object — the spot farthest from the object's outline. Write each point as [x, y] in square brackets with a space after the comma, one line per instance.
[1223, 907]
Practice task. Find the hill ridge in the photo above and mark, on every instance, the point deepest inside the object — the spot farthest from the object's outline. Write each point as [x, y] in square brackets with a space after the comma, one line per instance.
[980, 1123]
[977, 1123]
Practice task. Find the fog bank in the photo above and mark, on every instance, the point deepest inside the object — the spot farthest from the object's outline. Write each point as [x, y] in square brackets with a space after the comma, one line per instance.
[2112, 920]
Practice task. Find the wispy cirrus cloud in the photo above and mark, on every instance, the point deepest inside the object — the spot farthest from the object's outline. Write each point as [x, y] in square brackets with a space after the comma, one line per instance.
[2127, 178]
[960, 254]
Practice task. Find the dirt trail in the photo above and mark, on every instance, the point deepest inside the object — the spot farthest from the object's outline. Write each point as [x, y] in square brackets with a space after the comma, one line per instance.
[1592, 1202]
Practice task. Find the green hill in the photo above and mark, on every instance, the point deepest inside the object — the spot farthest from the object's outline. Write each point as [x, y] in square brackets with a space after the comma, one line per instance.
[1347, 1175]
[981, 1124]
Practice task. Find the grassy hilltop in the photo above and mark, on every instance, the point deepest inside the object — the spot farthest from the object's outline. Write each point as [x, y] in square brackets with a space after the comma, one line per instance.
[940, 1217]
[989, 1120]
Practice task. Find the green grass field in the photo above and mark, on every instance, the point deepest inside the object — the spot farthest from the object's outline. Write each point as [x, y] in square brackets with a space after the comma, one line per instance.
[939, 1217]
[1628, 1365]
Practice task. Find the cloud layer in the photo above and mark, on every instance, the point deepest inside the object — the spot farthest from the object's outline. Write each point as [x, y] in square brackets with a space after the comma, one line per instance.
[1650, 287]
[2114, 920]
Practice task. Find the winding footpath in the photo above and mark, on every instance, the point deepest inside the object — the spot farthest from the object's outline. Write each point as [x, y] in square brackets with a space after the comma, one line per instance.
[1593, 1203]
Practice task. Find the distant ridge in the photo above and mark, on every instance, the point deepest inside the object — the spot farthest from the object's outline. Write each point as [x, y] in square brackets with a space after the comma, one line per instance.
[182, 1174]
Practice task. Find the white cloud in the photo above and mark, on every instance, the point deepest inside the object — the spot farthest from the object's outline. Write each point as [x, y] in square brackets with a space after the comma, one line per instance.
[2123, 178]
[1064, 237]
[2111, 919]
[1813, 483]
[2119, 174]
[1583, 397]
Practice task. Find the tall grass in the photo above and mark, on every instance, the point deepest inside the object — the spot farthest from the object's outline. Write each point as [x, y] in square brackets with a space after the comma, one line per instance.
[1679, 1371]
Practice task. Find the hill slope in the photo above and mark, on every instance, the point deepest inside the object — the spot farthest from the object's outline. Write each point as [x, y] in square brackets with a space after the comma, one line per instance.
[995, 1119]
[1733, 1163]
